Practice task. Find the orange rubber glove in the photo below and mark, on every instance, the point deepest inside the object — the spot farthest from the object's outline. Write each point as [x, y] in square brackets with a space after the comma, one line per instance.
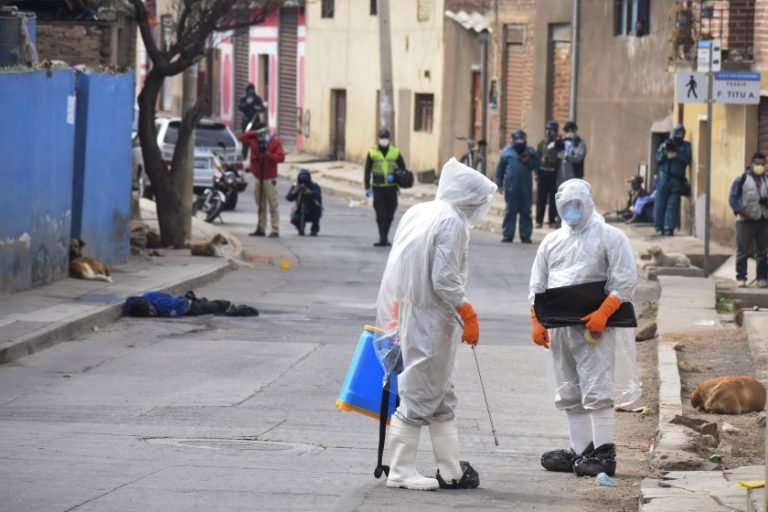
[540, 335]
[471, 334]
[595, 321]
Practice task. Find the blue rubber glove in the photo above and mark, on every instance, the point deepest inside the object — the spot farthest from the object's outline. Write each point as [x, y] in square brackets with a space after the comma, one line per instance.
[390, 178]
[368, 192]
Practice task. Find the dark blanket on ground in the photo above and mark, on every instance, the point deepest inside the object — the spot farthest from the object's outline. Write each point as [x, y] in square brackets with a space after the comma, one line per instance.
[164, 304]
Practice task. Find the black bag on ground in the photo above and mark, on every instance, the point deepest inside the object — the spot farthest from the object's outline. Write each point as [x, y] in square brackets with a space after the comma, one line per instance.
[566, 305]
[404, 178]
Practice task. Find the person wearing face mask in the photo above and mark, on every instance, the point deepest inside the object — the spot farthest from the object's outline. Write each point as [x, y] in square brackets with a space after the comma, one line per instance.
[639, 205]
[514, 176]
[380, 168]
[595, 369]
[573, 154]
[421, 296]
[266, 152]
[546, 177]
[673, 157]
[749, 201]
[308, 200]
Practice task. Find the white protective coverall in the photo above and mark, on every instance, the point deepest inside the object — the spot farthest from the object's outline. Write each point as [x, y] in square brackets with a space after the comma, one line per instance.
[424, 279]
[589, 377]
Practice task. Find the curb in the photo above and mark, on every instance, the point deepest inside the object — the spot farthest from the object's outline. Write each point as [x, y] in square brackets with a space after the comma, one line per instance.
[80, 325]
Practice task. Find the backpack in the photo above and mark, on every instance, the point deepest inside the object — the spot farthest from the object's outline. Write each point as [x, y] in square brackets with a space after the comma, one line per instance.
[404, 178]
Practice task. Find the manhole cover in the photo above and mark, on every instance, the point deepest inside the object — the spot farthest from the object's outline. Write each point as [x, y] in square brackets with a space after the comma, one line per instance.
[232, 444]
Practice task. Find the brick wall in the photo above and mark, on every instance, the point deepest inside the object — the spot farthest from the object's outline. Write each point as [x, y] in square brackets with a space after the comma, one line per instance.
[761, 34]
[560, 84]
[91, 43]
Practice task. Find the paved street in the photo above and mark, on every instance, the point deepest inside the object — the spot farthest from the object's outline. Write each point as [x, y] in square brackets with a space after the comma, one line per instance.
[203, 414]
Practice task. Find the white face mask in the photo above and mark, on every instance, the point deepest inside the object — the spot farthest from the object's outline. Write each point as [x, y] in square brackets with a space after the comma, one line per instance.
[383, 142]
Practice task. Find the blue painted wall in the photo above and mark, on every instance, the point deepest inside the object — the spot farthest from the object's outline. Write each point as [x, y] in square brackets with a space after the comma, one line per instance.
[37, 148]
[102, 171]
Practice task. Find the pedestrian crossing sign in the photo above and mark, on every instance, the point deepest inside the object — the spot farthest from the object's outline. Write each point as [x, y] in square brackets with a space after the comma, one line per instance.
[690, 87]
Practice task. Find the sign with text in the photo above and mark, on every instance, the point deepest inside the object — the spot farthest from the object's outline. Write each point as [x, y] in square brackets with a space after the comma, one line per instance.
[736, 88]
[690, 87]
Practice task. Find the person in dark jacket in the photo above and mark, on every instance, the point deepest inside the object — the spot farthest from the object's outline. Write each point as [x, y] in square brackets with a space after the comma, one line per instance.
[749, 201]
[514, 176]
[309, 203]
[673, 157]
[250, 105]
[572, 155]
[380, 166]
[546, 177]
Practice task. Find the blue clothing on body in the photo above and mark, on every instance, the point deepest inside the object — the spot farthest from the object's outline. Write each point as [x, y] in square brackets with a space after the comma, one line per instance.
[668, 187]
[516, 179]
[165, 304]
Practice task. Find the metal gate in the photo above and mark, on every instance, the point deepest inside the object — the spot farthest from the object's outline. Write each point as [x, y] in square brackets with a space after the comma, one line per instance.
[286, 75]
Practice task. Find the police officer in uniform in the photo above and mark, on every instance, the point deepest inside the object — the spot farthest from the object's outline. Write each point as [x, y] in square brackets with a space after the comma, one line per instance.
[380, 168]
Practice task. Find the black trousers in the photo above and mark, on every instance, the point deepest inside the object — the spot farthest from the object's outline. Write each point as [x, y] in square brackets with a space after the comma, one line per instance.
[547, 187]
[385, 204]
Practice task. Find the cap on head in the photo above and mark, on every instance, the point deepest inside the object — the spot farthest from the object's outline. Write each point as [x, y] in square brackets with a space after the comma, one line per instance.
[519, 134]
[636, 179]
[678, 129]
[250, 87]
[758, 156]
[383, 133]
[304, 175]
[261, 129]
[571, 126]
[552, 125]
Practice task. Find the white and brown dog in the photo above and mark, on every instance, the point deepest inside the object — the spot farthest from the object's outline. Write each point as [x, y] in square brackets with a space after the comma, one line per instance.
[660, 259]
[85, 267]
[729, 395]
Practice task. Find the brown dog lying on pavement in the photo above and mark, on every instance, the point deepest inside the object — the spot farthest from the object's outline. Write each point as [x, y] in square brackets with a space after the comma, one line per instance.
[729, 395]
[84, 267]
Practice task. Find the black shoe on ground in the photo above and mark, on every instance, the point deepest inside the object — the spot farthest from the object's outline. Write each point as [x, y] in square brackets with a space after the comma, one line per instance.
[526, 241]
[313, 233]
[507, 240]
[538, 225]
[301, 232]
[382, 243]
[562, 460]
[470, 479]
[256, 233]
[600, 460]
[274, 234]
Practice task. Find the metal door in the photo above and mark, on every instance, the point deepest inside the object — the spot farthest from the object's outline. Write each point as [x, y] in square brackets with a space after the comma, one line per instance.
[286, 90]
[338, 123]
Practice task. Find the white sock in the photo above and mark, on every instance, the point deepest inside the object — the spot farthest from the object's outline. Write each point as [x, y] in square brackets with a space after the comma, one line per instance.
[580, 430]
[602, 426]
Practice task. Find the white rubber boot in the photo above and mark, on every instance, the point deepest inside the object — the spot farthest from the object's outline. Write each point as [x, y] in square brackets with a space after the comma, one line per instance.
[445, 444]
[403, 443]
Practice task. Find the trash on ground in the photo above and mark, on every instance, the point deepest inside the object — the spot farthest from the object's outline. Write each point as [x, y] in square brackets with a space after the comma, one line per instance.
[755, 484]
[716, 458]
[604, 480]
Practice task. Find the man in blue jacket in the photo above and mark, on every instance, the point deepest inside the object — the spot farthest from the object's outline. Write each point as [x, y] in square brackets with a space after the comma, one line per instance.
[673, 157]
[514, 176]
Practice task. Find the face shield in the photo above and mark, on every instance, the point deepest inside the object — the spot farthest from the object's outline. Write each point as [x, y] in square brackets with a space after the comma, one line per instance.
[574, 203]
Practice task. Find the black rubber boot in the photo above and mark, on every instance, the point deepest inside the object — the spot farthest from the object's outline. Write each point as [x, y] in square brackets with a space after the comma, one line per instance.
[470, 479]
[600, 460]
[562, 460]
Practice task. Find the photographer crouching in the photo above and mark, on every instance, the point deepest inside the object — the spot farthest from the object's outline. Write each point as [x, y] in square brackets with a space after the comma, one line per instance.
[309, 203]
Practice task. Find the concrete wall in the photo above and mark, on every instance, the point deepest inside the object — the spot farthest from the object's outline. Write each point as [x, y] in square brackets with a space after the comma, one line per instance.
[102, 174]
[37, 143]
[343, 53]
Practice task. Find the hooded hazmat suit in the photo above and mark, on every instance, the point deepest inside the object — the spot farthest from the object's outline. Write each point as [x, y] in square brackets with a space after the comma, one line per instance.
[423, 284]
[422, 291]
[589, 377]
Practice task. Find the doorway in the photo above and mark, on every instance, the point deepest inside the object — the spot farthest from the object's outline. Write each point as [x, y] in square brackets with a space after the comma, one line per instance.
[338, 123]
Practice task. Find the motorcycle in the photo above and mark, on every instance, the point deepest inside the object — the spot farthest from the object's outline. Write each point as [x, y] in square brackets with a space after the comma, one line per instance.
[228, 182]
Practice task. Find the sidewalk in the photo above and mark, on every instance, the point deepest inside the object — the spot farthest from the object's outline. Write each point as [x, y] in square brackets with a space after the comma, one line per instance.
[67, 309]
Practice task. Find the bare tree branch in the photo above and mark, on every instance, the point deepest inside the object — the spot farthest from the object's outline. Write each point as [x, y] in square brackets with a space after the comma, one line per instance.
[146, 35]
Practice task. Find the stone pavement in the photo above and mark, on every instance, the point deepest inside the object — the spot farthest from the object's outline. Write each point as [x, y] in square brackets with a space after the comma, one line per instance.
[70, 308]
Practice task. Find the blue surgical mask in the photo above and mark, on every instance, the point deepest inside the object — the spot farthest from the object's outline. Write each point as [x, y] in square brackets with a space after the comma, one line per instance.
[572, 216]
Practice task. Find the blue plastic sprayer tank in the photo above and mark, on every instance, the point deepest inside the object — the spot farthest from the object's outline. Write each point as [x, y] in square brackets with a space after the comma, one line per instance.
[362, 387]
[10, 34]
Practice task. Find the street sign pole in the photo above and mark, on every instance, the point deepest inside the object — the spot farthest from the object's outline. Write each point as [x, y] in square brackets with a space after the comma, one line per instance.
[708, 168]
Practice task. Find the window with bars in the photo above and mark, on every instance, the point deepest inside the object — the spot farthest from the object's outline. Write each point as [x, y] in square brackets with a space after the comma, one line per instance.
[423, 10]
[326, 9]
[424, 106]
[374, 7]
[631, 17]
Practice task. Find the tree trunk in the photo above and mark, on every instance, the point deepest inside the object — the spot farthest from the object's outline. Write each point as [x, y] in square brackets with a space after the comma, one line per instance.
[168, 202]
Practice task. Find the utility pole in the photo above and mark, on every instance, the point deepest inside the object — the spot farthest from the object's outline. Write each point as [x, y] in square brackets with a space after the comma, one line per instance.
[483, 37]
[708, 169]
[186, 188]
[574, 59]
[386, 92]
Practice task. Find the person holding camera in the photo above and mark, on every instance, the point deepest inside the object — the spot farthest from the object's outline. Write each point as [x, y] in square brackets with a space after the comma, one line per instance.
[749, 201]
[309, 203]
[673, 157]
[546, 177]
[514, 176]
[572, 154]
[266, 152]
[380, 166]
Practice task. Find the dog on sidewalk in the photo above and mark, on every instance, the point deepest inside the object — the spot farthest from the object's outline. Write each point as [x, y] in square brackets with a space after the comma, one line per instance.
[660, 259]
[85, 267]
[729, 395]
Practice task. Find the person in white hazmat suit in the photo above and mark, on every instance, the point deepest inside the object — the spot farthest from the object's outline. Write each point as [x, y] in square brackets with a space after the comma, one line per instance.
[596, 369]
[421, 295]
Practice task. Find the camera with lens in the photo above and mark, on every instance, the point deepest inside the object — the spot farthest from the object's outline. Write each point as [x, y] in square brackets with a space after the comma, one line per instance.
[670, 145]
[559, 145]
